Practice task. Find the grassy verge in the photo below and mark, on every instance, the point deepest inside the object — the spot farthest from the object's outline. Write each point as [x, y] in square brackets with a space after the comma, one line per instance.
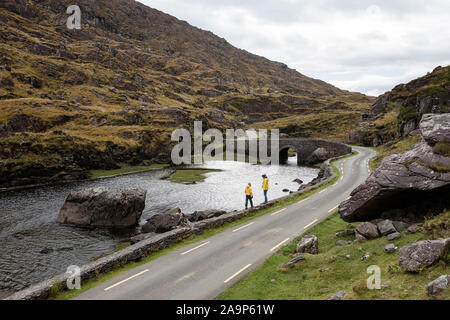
[66, 295]
[335, 269]
[126, 170]
[190, 175]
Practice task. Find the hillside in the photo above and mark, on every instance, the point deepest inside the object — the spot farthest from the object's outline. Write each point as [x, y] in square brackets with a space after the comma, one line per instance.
[395, 115]
[111, 93]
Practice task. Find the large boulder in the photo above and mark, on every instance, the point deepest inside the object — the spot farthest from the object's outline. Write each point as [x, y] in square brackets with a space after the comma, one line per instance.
[417, 256]
[165, 222]
[103, 208]
[308, 244]
[418, 178]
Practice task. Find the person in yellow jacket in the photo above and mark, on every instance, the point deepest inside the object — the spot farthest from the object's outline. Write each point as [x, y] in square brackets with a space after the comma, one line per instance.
[248, 195]
[265, 187]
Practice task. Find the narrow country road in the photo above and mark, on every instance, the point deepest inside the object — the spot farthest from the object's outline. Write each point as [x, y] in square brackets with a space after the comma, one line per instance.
[205, 269]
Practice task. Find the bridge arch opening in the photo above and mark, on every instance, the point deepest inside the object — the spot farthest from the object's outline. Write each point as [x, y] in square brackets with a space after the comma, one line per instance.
[287, 152]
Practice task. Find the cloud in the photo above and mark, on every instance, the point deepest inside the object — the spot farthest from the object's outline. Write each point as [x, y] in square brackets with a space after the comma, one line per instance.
[367, 46]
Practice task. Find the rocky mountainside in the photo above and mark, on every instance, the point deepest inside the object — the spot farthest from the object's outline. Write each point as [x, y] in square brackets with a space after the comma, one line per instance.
[112, 92]
[397, 113]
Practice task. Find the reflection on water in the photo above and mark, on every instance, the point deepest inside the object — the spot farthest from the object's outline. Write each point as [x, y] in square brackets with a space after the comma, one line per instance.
[34, 247]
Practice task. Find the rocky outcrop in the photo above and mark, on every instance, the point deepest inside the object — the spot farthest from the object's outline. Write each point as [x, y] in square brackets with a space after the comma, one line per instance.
[165, 222]
[308, 244]
[103, 208]
[418, 178]
[415, 257]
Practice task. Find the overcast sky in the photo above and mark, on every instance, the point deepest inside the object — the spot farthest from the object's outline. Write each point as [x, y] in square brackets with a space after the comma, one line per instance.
[366, 46]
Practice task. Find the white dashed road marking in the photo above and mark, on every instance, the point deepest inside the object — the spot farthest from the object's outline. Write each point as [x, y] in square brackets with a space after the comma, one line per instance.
[237, 273]
[279, 245]
[193, 249]
[128, 279]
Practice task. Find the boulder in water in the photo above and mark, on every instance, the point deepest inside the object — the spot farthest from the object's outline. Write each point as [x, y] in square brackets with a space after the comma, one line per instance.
[103, 208]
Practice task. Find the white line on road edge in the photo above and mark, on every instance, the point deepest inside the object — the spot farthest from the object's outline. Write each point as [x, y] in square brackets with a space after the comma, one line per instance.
[300, 202]
[128, 279]
[237, 273]
[198, 247]
[332, 210]
[309, 225]
[247, 225]
[279, 245]
[322, 191]
[280, 211]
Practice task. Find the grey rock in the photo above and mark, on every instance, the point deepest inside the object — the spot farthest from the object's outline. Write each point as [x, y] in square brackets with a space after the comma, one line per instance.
[435, 128]
[390, 248]
[414, 257]
[344, 233]
[368, 230]
[359, 237]
[394, 236]
[386, 227]
[308, 244]
[341, 295]
[294, 262]
[400, 226]
[165, 222]
[417, 227]
[438, 285]
[103, 208]
[204, 215]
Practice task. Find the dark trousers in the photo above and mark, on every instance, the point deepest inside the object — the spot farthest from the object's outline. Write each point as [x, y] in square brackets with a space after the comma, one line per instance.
[247, 199]
[265, 196]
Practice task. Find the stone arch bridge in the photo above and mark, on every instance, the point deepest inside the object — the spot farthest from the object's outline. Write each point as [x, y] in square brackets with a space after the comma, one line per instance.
[309, 151]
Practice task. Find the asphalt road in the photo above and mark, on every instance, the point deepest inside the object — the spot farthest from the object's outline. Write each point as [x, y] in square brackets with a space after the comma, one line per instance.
[203, 270]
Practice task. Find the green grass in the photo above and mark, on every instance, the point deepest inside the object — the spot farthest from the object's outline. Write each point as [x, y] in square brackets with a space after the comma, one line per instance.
[91, 283]
[125, 170]
[322, 275]
[190, 175]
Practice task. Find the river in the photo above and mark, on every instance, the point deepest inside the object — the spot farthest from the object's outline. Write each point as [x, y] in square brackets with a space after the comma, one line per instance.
[34, 247]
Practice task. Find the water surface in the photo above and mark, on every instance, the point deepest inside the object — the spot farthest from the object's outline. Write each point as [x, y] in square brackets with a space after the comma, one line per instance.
[34, 247]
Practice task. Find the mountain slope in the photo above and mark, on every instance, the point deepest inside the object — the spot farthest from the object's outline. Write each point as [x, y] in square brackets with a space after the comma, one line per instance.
[396, 114]
[111, 93]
